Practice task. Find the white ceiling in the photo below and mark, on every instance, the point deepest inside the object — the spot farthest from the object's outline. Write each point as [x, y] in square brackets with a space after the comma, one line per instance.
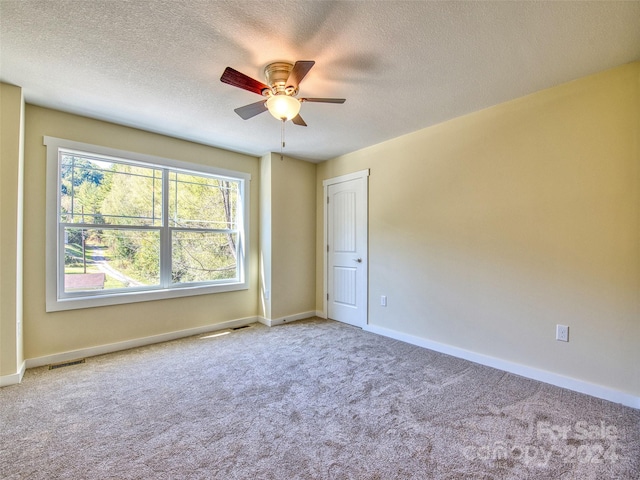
[401, 65]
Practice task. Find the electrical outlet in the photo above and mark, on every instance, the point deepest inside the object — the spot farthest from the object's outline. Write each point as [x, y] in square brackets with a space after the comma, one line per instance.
[383, 300]
[562, 333]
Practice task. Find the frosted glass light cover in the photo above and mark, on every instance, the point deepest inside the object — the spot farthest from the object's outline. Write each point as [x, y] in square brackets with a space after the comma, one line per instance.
[283, 106]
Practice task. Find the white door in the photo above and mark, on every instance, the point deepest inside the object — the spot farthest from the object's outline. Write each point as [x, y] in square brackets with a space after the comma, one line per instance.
[346, 227]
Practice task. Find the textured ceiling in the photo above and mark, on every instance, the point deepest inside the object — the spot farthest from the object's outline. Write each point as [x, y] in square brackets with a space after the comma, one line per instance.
[401, 65]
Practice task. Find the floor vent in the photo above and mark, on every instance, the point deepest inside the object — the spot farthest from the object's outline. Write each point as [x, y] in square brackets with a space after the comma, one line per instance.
[240, 328]
[53, 366]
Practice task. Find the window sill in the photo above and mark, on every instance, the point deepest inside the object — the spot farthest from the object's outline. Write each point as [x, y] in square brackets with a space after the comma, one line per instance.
[120, 298]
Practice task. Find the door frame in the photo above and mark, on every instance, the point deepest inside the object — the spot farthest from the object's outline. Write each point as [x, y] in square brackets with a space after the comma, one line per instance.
[361, 174]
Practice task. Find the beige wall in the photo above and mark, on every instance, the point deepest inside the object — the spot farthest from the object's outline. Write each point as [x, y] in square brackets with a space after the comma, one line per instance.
[485, 232]
[264, 300]
[293, 242]
[488, 230]
[11, 196]
[57, 332]
[288, 233]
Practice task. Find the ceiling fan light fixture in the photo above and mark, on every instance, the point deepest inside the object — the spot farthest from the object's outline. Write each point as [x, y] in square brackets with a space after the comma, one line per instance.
[283, 79]
[283, 107]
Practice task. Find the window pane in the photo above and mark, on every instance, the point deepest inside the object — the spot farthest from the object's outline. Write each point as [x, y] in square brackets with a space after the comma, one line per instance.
[199, 201]
[203, 256]
[110, 259]
[112, 193]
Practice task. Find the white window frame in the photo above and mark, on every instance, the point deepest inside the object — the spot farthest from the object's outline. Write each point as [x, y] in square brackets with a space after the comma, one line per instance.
[57, 300]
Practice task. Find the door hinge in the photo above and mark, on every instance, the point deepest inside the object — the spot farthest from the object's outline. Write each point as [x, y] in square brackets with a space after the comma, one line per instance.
[327, 200]
[327, 247]
[327, 296]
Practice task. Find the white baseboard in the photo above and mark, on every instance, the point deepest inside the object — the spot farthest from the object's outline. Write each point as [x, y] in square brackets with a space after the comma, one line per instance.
[14, 378]
[137, 342]
[321, 314]
[545, 376]
[272, 322]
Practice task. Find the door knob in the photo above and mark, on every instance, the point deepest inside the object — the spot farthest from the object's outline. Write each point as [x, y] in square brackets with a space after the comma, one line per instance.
[359, 260]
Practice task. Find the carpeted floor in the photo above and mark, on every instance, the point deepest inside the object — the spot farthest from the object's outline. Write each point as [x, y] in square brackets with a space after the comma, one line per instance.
[313, 399]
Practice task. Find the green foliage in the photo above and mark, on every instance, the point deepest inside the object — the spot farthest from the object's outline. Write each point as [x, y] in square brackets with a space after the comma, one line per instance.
[83, 186]
[112, 194]
[75, 171]
[134, 197]
[90, 197]
[202, 202]
[201, 257]
[136, 253]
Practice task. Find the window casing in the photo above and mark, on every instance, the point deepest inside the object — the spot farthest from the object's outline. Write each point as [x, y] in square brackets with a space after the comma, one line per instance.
[124, 227]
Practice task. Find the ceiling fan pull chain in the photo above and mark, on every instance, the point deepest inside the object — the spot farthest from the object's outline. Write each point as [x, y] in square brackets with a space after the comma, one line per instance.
[282, 139]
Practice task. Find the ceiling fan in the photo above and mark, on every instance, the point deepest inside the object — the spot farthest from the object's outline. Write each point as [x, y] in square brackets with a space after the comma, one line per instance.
[283, 79]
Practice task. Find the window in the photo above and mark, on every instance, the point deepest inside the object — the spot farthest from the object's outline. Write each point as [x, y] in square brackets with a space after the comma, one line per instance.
[124, 227]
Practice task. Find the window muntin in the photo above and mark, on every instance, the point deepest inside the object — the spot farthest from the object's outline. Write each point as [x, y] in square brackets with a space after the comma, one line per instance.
[155, 228]
[94, 191]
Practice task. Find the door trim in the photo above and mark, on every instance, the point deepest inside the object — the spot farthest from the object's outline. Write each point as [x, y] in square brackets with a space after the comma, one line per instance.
[325, 283]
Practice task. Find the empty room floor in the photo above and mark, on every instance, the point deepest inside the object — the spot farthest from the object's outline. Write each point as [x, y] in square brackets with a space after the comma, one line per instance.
[314, 399]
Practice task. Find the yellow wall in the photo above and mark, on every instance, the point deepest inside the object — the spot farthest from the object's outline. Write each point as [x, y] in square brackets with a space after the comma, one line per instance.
[293, 242]
[11, 167]
[57, 332]
[488, 230]
[484, 233]
[288, 233]
[264, 300]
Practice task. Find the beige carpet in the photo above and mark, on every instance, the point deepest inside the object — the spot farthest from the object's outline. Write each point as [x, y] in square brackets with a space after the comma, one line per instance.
[311, 399]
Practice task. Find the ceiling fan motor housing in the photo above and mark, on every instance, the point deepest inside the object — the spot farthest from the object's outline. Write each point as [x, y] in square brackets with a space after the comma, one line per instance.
[277, 74]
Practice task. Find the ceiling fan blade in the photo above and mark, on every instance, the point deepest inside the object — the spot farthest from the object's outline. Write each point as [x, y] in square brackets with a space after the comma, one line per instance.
[299, 71]
[299, 121]
[252, 109]
[240, 80]
[324, 100]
